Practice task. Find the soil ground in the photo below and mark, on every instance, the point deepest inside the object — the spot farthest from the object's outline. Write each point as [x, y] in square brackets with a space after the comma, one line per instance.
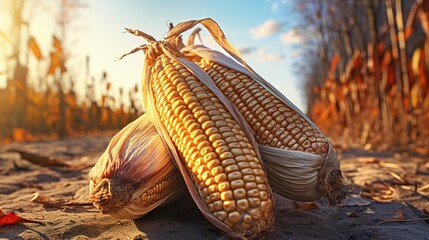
[384, 184]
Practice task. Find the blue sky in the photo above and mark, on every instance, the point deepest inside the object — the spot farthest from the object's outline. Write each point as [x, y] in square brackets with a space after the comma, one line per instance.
[264, 27]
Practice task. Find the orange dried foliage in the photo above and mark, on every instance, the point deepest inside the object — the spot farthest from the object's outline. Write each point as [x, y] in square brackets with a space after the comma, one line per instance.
[380, 192]
[305, 206]
[398, 214]
[30, 105]
[21, 135]
[108, 86]
[366, 98]
[12, 218]
[334, 63]
[57, 45]
[35, 49]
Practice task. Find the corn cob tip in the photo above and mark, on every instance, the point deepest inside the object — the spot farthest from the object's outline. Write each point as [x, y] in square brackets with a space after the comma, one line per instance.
[335, 187]
[109, 195]
[332, 183]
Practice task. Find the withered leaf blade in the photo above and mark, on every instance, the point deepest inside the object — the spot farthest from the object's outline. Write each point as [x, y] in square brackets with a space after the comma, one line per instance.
[47, 201]
[11, 218]
[34, 47]
[352, 214]
[399, 214]
[369, 211]
[305, 206]
[43, 161]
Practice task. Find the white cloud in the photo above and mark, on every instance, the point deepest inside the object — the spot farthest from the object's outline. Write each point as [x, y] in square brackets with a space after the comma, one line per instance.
[274, 6]
[246, 50]
[279, 4]
[261, 55]
[292, 36]
[268, 28]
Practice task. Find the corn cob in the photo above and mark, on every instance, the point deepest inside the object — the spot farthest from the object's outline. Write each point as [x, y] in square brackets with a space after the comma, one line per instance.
[218, 156]
[275, 121]
[134, 175]
[275, 124]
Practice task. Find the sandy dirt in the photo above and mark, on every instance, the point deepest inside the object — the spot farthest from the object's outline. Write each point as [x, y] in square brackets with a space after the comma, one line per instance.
[393, 179]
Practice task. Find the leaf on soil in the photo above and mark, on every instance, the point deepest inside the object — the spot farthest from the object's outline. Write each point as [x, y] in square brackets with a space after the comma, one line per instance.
[304, 206]
[421, 150]
[43, 161]
[423, 169]
[399, 214]
[390, 165]
[46, 201]
[421, 214]
[399, 178]
[11, 218]
[368, 160]
[50, 162]
[423, 187]
[352, 214]
[369, 211]
[57, 203]
[33, 185]
[380, 192]
[378, 162]
[367, 146]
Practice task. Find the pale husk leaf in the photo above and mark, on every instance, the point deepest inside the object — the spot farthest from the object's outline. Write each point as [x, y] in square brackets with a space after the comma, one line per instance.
[134, 161]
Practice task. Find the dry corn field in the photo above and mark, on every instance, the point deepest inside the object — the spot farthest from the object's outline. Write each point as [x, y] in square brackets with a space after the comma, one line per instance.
[376, 96]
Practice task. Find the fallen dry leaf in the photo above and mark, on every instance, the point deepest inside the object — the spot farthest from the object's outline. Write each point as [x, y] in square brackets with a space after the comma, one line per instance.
[368, 160]
[46, 201]
[380, 192]
[50, 162]
[305, 206]
[43, 161]
[352, 214]
[423, 169]
[417, 212]
[369, 211]
[11, 218]
[421, 150]
[367, 146]
[399, 214]
[423, 187]
[57, 203]
[390, 165]
[397, 177]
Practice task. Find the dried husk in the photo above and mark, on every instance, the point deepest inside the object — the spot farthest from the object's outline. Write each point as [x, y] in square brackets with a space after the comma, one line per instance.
[134, 165]
[297, 175]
